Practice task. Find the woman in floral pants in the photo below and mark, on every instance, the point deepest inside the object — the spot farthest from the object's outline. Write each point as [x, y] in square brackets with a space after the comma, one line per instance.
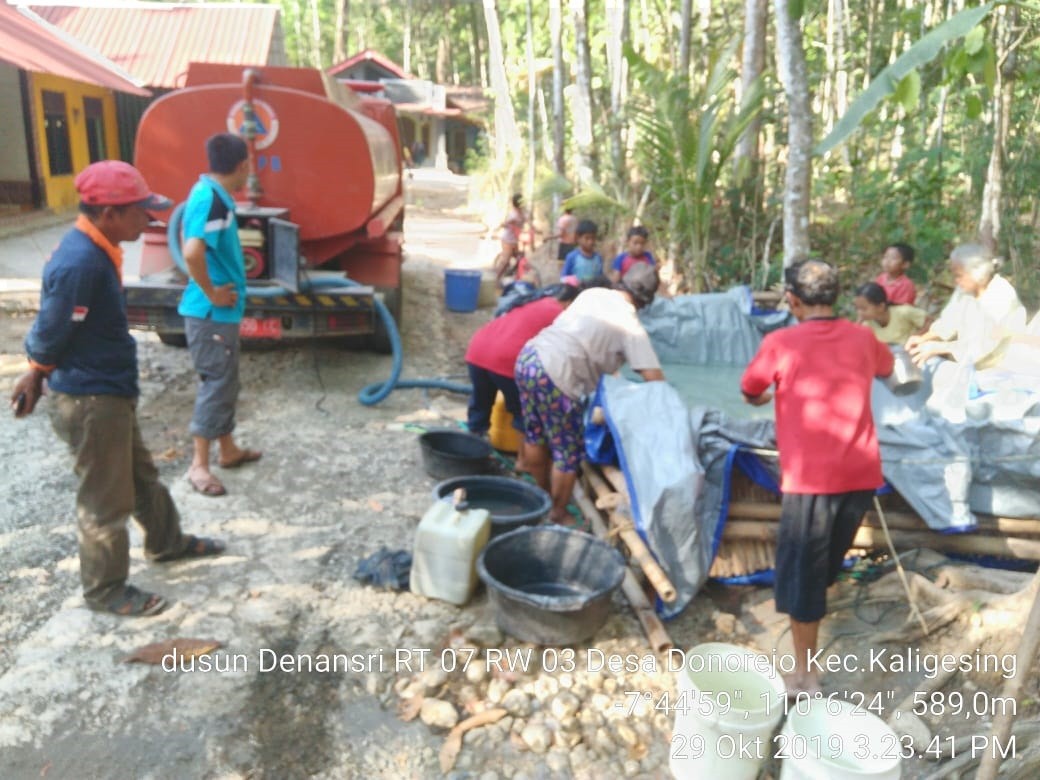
[560, 366]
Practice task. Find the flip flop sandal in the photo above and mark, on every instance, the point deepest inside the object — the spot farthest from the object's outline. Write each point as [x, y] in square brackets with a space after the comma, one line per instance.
[209, 486]
[247, 456]
[131, 602]
[195, 547]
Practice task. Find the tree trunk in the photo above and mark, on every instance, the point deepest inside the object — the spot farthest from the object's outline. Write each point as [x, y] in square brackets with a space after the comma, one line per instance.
[479, 64]
[440, 70]
[315, 35]
[297, 24]
[826, 94]
[342, 34]
[546, 129]
[556, 33]
[582, 110]
[754, 62]
[992, 191]
[507, 137]
[685, 23]
[617, 36]
[532, 134]
[704, 34]
[868, 64]
[798, 178]
[406, 38]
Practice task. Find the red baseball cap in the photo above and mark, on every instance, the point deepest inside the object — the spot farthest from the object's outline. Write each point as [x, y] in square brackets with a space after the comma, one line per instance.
[116, 183]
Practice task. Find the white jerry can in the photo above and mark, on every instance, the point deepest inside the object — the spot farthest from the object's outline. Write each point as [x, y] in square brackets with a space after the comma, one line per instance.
[447, 542]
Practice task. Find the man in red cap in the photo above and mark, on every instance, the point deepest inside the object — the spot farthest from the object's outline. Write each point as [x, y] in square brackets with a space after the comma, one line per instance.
[81, 344]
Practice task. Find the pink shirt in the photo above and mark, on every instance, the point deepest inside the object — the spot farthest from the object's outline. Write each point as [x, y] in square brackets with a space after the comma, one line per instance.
[899, 289]
[496, 346]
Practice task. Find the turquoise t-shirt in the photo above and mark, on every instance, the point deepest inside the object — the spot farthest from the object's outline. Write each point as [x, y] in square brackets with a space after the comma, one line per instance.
[209, 215]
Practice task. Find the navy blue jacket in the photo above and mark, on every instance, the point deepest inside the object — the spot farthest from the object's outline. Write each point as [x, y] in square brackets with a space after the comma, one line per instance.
[82, 328]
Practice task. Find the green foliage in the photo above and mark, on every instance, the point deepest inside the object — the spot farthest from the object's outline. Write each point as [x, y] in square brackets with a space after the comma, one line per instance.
[925, 200]
[921, 53]
[908, 91]
[686, 136]
[595, 203]
[914, 145]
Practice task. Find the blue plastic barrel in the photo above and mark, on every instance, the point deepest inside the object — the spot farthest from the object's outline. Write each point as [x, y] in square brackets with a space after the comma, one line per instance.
[461, 289]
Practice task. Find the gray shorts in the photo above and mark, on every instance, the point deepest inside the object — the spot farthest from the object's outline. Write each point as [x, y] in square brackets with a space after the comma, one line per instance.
[214, 348]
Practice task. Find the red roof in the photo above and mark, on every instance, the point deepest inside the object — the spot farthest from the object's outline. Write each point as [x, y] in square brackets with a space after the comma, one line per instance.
[156, 41]
[374, 56]
[29, 43]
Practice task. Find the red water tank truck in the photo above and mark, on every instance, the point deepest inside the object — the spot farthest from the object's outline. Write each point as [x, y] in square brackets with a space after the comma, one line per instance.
[321, 216]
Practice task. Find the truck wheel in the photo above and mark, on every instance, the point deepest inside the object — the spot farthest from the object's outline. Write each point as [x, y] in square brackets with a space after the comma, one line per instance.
[173, 339]
[379, 341]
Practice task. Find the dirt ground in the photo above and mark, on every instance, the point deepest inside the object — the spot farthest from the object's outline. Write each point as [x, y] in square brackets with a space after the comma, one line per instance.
[338, 481]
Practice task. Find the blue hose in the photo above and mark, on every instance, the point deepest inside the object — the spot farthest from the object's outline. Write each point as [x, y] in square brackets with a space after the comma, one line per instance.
[370, 395]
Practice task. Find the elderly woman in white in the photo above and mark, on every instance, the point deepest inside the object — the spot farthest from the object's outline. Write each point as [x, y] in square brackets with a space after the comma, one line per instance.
[984, 307]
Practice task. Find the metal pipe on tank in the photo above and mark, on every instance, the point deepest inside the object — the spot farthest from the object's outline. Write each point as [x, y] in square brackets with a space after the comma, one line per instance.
[249, 125]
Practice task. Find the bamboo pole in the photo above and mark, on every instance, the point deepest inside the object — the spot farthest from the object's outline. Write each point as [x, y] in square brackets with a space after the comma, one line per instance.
[616, 502]
[752, 510]
[652, 626]
[872, 538]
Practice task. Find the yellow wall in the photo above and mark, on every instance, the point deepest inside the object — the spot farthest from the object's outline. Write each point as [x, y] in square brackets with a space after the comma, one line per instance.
[59, 191]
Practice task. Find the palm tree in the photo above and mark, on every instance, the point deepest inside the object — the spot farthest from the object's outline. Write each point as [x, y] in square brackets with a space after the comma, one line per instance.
[686, 135]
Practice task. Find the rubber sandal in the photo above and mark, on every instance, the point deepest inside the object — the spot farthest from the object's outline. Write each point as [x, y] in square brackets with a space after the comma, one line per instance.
[195, 547]
[246, 456]
[208, 486]
[131, 602]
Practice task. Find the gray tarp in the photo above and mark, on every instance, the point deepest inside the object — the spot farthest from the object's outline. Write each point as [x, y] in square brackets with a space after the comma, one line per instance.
[947, 457]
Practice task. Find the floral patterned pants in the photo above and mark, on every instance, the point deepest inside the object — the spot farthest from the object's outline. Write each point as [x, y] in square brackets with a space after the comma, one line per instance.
[551, 418]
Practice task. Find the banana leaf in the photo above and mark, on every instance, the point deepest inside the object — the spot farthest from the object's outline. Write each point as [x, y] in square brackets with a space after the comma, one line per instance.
[887, 81]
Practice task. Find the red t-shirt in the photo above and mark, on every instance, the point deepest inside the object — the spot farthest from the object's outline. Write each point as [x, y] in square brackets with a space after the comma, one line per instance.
[899, 289]
[823, 370]
[496, 345]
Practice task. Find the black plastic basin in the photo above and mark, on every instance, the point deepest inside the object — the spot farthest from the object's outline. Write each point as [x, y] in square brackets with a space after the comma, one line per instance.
[451, 453]
[511, 503]
[550, 585]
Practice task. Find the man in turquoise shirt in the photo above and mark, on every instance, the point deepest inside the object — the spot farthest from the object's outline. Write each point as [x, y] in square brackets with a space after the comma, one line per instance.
[212, 307]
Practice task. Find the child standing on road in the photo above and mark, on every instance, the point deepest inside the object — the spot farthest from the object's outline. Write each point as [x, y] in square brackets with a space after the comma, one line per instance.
[830, 465]
[635, 252]
[891, 323]
[510, 238]
[895, 262]
[584, 262]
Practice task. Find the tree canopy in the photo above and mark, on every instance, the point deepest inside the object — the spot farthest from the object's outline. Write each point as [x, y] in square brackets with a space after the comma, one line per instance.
[922, 118]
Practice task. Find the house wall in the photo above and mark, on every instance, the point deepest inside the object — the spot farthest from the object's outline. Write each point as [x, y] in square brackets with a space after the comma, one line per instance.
[59, 189]
[15, 176]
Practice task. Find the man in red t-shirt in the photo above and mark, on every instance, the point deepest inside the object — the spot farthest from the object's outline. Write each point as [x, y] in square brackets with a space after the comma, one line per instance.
[830, 465]
[492, 352]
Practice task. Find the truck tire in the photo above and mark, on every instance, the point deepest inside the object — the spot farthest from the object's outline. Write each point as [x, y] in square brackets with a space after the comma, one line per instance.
[172, 339]
[379, 341]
